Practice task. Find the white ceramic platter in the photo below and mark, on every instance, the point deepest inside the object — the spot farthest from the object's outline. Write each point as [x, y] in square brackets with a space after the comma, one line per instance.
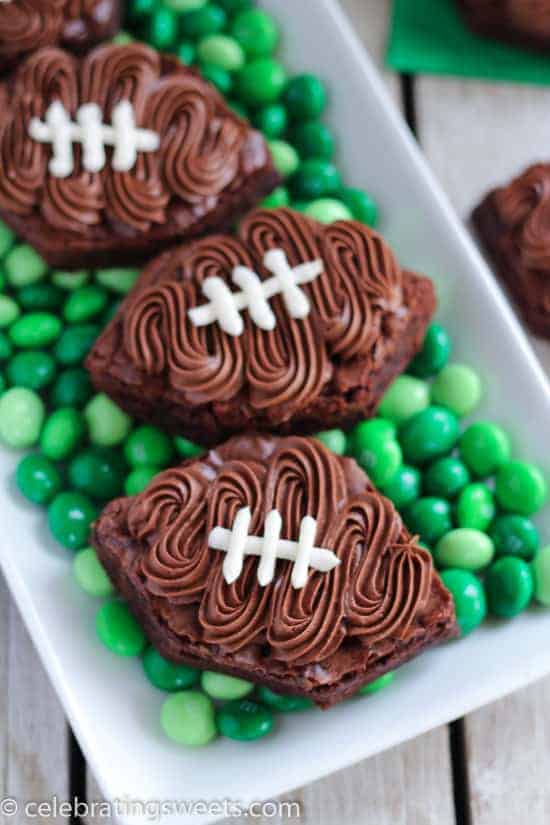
[111, 706]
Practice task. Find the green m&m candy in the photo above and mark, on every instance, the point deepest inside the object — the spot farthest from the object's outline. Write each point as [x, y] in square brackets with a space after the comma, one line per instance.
[209, 19]
[276, 199]
[222, 687]
[514, 535]
[21, 417]
[430, 517]
[148, 446]
[167, 675]
[98, 472]
[244, 720]
[118, 630]
[74, 343]
[260, 82]
[24, 266]
[42, 296]
[90, 574]
[34, 369]
[361, 205]
[520, 487]
[72, 388]
[313, 139]
[464, 548]
[305, 97]
[282, 702]
[107, 424]
[446, 477]
[38, 479]
[434, 354]
[457, 387]
[256, 31]
[9, 311]
[315, 178]
[328, 210]
[188, 718]
[431, 433]
[69, 518]
[508, 586]
[404, 398]
[222, 51]
[540, 568]
[377, 684]
[163, 28]
[285, 157]
[376, 451]
[334, 440]
[186, 448]
[475, 507]
[138, 479]
[271, 120]
[63, 431]
[35, 330]
[468, 596]
[484, 447]
[84, 303]
[404, 487]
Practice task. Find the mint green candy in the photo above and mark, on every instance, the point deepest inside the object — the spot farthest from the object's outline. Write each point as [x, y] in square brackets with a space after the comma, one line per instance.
[377, 684]
[276, 199]
[334, 440]
[21, 417]
[184, 5]
[187, 448]
[540, 568]
[7, 239]
[62, 433]
[118, 630]
[9, 311]
[465, 549]
[139, 479]
[458, 388]
[222, 687]
[520, 487]
[84, 303]
[285, 157]
[405, 397]
[24, 266]
[107, 424]
[328, 210]
[70, 280]
[35, 330]
[475, 507]
[117, 279]
[166, 675]
[188, 718]
[70, 516]
[221, 50]
[90, 574]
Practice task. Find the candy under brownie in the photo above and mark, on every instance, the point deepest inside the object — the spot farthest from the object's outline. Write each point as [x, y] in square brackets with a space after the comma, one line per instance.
[249, 357]
[526, 22]
[77, 25]
[110, 158]
[333, 593]
[512, 222]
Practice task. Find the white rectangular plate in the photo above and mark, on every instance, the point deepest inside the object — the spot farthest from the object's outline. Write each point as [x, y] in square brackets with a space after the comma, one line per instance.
[111, 706]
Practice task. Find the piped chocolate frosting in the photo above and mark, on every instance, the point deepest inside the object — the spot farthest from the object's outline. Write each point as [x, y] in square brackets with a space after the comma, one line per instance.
[522, 21]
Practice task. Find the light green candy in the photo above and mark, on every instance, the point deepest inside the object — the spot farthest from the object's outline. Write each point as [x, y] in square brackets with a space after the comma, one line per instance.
[24, 266]
[328, 210]
[21, 417]
[285, 157]
[184, 5]
[117, 279]
[458, 388]
[406, 397]
[9, 311]
[70, 280]
[188, 718]
[108, 425]
[540, 567]
[225, 688]
[221, 50]
[90, 575]
[464, 548]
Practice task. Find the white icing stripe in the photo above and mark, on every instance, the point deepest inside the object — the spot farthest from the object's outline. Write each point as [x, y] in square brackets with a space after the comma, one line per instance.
[90, 131]
[237, 544]
[224, 306]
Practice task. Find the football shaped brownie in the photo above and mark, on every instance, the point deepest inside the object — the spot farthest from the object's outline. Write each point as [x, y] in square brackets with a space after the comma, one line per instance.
[77, 25]
[111, 157]
[275, 560]
[512, 222]
[526, 22]
[288, 326]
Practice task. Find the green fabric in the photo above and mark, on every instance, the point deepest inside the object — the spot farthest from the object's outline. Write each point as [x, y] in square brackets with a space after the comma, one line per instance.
[430, 36]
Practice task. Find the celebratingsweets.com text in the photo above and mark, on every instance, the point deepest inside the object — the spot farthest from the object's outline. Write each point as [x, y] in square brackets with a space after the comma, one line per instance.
[151, 810]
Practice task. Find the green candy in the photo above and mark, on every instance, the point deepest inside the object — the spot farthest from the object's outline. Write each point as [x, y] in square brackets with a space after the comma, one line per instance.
[209, 19]
[328, 210]
[315, 179]
[21, 417]
[84, 304]
[117, 279]
[434, 354]
[334, 440]
[380, 461]
[313, 139]
[278, 198]
[430, 518]
[377, 684]
[244, 720]
[458, 388]
[42, 296]
[90, 574]
[475, 507]
[118, 630]
[370, 432]
[35, 330]
[186, 52]
[72, 388]
[221, 50]
[222, 687]
[63, 431]
[361, 205]
[431, 433]
[33, 369]
[166, 675]
[70, 280]
[38, 479]
[484, 447]
[140, 9]
[305, 97]
[446, 477]
[6, 348]
[163, 28]
[182, 6]
[7, 239]
[186, 448]
[74, 343]
[256, 32]
[188, 718]
[107, 424]
[24, 266]
[271, 120]
[235, 6]
[148, 446]
[261, 82]
[281, 702]
[540, 569]
[69, 518]
[520, 487]
[508, 586]
[98, 472]
[464, 548]
[405, 397]
[9, 311]
[220, 78]
[469, 598]
[139, 479]
[514, 535]
[404, 487]
[285, 157]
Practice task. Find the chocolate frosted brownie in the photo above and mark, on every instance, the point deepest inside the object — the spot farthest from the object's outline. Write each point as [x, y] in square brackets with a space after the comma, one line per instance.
[513, 224]
[77, 25]
[525, 22]
[110, 158]
[275, 560]
[290, 326]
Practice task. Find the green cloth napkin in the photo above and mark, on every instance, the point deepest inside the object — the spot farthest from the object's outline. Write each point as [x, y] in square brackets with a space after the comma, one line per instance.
[430, 36]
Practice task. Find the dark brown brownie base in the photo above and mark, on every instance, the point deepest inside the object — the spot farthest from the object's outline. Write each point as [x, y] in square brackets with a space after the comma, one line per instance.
[210, 424]
[496, 28]
[490, 231]
[112, 544]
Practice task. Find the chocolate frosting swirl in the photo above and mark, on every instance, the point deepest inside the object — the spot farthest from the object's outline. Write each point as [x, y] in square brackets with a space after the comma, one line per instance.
[202, 143]
[284, 370]
[523, 207]
[376, 594]
[530, 18]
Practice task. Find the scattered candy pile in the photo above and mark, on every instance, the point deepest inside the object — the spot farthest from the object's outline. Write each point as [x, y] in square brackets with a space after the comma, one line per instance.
[460, 491]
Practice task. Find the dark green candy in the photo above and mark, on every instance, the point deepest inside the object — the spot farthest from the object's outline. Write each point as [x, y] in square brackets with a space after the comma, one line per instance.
[430, 518]
[38, 479]
[75, 342]
[98, 472]
[219, 77]
[446, 477]
[508, 586]
[166, 675]
[468, 596]
[362, 206]
[514, 535]
[244, 719]
[314, 179]
[41, 296]
[404, 487]
[434, 354]
[313, 139]
[209, 19]
[6, 348]
[271, 120]
[69, 518]
[118, 630]
[147, 446]
[280, 702]
[72, 388]
[235, 6]
[163, 28]
[431, 433]
[186, 53]
[305, 97]
[34, 369]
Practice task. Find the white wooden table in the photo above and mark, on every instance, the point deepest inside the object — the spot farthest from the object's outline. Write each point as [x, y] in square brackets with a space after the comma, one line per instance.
[490, 768]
